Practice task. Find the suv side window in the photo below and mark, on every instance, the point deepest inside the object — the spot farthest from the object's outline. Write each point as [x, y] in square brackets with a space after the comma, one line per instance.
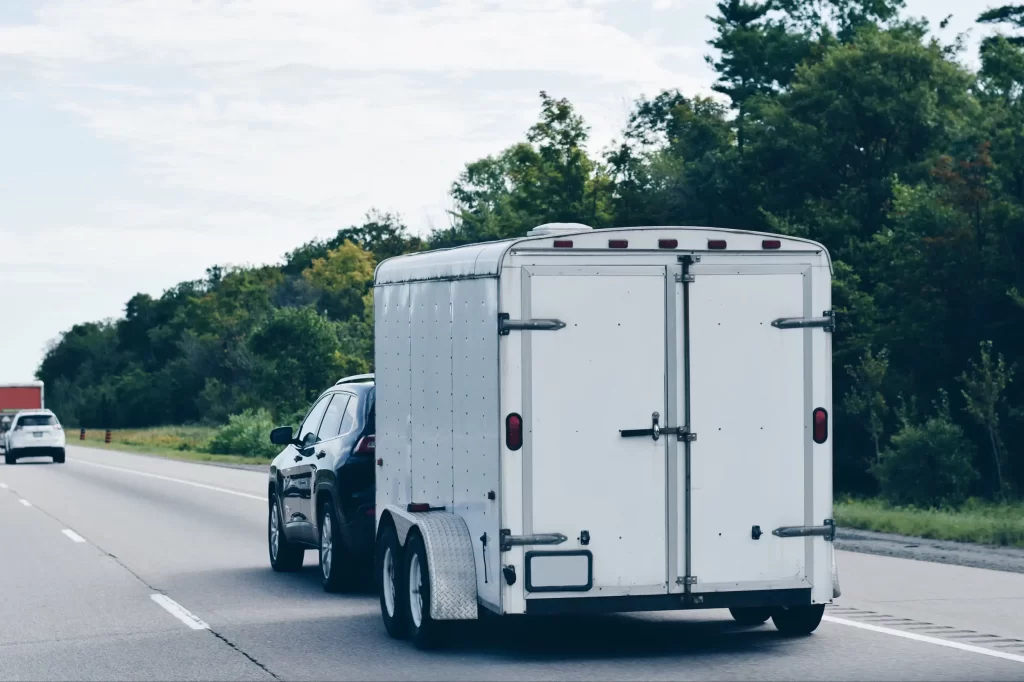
[350, 417]
[329, 427]
[307, 432]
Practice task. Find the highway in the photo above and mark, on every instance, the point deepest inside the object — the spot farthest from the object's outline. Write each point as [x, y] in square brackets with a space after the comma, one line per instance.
[120, 566]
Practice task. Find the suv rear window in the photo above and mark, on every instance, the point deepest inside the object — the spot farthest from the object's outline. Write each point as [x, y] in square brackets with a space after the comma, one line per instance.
[37, 420]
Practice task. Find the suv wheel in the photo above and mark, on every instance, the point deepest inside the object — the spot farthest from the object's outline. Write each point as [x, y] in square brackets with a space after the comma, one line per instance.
[59, 457]
[285, 556]
[9, 458]
[335, 573]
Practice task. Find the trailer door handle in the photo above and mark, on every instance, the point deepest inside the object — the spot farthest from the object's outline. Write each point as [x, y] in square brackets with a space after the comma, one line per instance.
[505, 325]
[680, 432]
[827, 322]
[827, 531]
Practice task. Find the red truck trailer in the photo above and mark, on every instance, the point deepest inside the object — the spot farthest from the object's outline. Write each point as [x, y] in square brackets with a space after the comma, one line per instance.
[16, 397]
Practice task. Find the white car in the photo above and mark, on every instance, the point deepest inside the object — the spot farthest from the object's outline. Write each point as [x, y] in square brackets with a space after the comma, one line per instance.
[34, 433]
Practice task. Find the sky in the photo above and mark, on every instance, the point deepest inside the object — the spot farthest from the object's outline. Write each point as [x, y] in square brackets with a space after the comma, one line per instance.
[142, 141]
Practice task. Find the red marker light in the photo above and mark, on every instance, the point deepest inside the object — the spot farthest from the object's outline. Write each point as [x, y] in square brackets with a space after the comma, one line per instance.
[771, 244]
[820, 422]
[716, 243]
[418, 507]
[513, 431]
[618, 244]
[668, 243]
[563, 243]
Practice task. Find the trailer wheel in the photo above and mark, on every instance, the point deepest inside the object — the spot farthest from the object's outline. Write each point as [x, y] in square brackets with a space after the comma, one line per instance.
[425, 632]
[285, 556]
[751, 616]
[388, 576]
[799, 620]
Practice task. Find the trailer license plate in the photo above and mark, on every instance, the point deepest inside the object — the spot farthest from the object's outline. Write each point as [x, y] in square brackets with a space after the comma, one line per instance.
[559, 571]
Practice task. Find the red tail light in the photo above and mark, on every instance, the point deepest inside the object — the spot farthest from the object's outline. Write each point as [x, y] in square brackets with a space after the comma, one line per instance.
[716, 243]
[618, 244]
[563, 243]
[668, 243]
[820, 420]
[367, 445]
[771, 244]
[514, 431]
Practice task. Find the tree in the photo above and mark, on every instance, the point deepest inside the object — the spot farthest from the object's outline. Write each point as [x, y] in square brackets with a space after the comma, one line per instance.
[345, 276]
[866, 398]
[984, 388]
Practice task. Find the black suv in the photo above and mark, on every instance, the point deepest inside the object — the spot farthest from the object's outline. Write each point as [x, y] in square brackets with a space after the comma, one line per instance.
[322, 486]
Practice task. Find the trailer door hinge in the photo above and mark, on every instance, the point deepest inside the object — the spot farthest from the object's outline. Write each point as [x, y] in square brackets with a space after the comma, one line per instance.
[688, 277]
[686, 580]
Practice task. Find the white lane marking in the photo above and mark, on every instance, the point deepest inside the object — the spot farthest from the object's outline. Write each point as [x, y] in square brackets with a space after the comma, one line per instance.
[925, 638]
[178, 611]
[172, 480]
[26, 503]
[75, 537]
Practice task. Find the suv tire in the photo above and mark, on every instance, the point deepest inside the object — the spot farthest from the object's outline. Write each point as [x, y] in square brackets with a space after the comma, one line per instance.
[59, 457]
[9, 458]
[335, 565]
[285, 556]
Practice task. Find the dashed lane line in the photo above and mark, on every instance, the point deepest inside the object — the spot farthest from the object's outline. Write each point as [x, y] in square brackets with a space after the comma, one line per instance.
[178, 611]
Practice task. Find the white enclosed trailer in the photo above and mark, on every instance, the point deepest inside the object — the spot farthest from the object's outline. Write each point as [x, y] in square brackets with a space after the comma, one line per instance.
[584, 421]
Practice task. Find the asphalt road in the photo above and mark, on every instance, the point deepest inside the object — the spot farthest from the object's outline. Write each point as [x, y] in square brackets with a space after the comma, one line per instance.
[118, 566]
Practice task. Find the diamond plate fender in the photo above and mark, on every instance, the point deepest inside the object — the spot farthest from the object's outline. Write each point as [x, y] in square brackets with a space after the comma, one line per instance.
[836, 592]
[451, 561]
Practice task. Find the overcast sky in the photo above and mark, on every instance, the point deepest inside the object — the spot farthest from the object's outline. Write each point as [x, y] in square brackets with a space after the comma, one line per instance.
[142, 141]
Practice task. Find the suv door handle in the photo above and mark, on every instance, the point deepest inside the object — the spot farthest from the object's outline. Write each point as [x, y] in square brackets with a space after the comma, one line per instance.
[321, 454]
[298, 458]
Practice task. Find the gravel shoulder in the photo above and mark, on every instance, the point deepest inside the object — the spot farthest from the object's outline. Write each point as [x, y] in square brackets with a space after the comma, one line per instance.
[939, 551]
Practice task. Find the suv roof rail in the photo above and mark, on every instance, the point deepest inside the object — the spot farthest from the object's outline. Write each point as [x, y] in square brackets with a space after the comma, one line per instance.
[357, 379]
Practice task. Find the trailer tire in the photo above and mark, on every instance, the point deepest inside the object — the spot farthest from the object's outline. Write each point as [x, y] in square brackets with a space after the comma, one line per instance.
[751, 616]
[285, 556]
[425, 632]
[387, 562]
[799, 620]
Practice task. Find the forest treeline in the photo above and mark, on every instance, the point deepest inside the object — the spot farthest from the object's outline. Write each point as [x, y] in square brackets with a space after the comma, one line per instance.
[844, 121]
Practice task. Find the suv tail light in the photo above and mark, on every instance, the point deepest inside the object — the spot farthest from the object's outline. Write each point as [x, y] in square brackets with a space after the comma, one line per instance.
[514, 431]
[820, 421]
[367, 445]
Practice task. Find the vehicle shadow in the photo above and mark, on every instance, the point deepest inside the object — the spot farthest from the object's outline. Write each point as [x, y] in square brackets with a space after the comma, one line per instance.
[540, 639]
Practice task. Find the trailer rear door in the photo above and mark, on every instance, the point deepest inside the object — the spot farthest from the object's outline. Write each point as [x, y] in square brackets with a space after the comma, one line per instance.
[750, 392]
[603, 373]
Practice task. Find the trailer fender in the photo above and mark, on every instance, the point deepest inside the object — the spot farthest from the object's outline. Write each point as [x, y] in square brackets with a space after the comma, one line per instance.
[451, 561]
[836, 592]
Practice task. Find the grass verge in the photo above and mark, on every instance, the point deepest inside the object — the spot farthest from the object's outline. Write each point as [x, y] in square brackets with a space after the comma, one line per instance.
[978, 522]
[187, 443]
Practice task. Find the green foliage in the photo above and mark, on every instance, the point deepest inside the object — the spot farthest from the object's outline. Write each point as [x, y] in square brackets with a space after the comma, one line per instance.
[246, 434]
[928, 463]
[845, 123]
[975, 521]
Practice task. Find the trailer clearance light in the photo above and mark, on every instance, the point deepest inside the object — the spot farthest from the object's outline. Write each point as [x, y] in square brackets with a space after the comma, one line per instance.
[820, 420]
[618, 244]
[563, 243]
[367, 445]
[668, 243]
[716, 243]
[771, 244]
[418, 507]
[513, 431]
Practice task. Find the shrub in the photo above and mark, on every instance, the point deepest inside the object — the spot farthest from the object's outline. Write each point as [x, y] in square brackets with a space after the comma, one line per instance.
[928, 464]
[246, 434]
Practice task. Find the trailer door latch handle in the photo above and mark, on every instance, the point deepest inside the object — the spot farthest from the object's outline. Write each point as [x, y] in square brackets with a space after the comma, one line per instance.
[827, 321]
[827, 530]
[680, 432]
[505, 325]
